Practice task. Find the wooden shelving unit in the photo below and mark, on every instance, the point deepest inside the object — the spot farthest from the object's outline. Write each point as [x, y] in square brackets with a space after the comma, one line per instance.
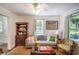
[21, 33]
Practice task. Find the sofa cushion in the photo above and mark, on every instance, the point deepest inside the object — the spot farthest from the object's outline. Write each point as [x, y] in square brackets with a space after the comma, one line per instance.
[31, 39]
[67, 42]
[65, 47]
[41, 38]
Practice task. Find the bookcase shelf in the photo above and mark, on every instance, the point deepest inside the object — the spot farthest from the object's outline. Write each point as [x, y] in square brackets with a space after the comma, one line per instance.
[21, 33]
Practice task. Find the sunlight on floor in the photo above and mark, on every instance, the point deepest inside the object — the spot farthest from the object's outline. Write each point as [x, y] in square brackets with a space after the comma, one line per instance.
[20, 50]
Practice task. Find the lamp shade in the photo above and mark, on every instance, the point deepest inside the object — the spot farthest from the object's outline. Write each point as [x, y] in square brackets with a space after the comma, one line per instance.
[57, 33]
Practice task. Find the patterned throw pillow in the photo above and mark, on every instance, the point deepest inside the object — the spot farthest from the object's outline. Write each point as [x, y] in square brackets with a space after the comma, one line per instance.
[52, 38]
[64, 47]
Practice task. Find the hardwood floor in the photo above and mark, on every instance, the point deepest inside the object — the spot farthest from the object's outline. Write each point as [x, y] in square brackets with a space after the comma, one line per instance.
[20, 50]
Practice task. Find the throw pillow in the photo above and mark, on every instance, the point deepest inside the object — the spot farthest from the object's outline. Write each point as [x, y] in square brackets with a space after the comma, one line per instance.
[52, 38]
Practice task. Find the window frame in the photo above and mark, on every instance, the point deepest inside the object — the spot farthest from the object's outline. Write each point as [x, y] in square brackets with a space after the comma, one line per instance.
[76, 40]
[4, 22]
[38, 27]
[1, 26]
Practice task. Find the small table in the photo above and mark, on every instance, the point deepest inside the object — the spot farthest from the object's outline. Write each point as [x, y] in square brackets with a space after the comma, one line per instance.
[36, 52]
[42, 53]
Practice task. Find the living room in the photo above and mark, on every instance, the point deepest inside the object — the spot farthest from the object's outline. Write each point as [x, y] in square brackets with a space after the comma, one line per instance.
[55, 14]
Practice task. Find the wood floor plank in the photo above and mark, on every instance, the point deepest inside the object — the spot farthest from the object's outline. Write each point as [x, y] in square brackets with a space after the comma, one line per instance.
[20, 50]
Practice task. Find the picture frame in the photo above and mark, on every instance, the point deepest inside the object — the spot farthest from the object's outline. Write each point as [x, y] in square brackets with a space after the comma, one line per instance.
[51, 25]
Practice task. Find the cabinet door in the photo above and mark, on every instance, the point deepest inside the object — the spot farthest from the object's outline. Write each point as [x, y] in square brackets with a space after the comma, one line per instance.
[20, 40]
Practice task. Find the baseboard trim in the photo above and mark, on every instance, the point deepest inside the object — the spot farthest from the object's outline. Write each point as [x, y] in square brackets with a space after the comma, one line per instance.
[11, 49]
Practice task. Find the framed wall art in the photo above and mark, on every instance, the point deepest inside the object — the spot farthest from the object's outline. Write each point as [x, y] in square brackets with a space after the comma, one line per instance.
[51, 25]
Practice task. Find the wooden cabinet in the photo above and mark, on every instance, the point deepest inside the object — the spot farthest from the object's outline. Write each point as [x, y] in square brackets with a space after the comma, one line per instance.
[20, 40]
[21, 33]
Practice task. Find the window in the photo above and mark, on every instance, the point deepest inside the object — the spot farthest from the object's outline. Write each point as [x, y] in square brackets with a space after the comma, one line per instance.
[39, 27]
[74, 28]
[1, 29]
[3, 24]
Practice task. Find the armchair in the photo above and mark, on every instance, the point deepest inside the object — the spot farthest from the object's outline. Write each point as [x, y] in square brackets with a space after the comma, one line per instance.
[65, 47]
[30, 41]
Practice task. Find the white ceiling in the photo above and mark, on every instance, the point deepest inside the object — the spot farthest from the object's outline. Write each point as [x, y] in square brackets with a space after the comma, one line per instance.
[49, 8]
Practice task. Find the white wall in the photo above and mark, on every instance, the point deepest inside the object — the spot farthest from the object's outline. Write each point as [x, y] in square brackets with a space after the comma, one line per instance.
[31, 22]
[11, 27]
[13, 18]
[49, 18]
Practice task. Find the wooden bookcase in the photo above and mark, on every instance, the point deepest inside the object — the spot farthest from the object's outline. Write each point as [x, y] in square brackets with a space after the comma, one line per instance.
[21, 33]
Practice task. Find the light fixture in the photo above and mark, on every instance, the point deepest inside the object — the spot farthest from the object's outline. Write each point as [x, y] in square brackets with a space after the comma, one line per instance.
[37, 7]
